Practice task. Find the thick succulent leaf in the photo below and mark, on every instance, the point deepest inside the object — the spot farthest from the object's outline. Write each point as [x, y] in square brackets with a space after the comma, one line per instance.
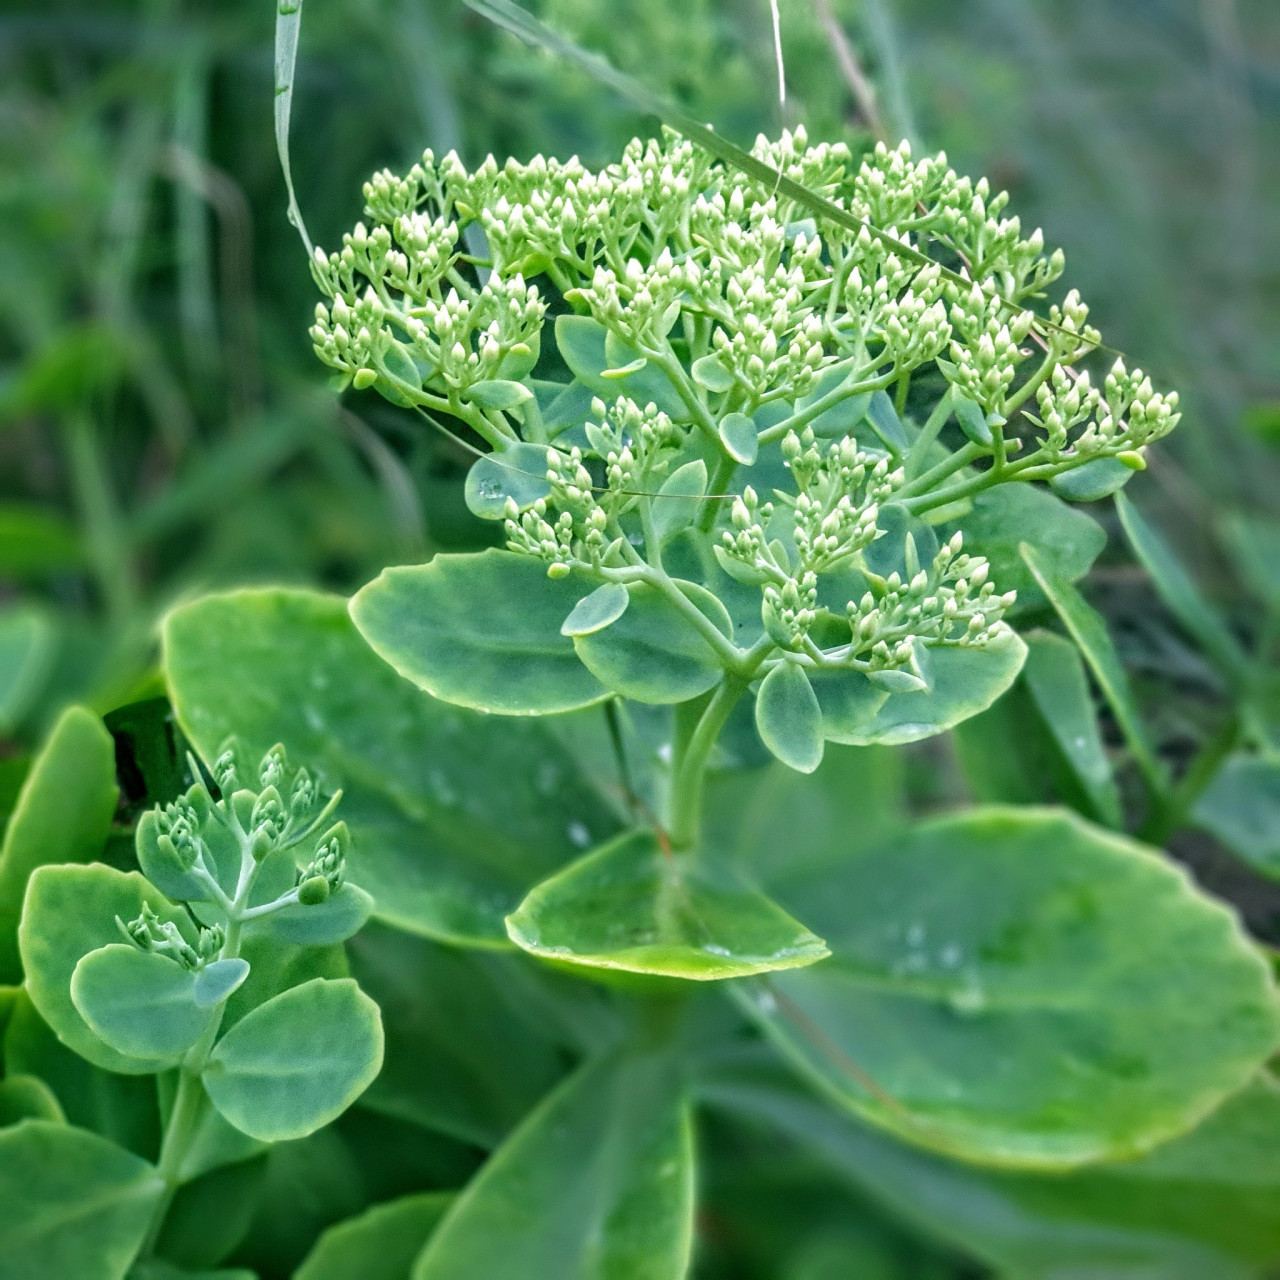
[1002, 518]
[1055, 679]
[1200, 619]
[480, 630]
[63, 814]
[218, 980]
[381, 1244]
[1092, 481]
[70, 911]
[444, 850]
[298, 1061]
[1241, 807]
[1204, 1205]
[789, 718]
[72, 1205]
[470, 1037]
[25, 1097]
[597, 1184]
[340, 916]
[1015, 986]
[679, 499]
[1089, 632]
[584, 344]
[519, 473]
[141, 1003]
[633, 905]
[964, 680]
[597, 610]
[654, 652]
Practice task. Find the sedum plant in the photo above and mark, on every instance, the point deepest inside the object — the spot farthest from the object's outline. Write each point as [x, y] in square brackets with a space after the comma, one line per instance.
[734, 455]
[215, 967]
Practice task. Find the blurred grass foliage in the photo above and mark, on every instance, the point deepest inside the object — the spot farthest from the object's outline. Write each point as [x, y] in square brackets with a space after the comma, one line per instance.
[161, 427]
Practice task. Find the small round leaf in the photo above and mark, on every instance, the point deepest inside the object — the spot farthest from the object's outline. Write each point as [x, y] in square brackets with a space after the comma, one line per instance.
[480, 630]
[518, 473]
[298, 1061]
[605, 605]
[216, 981]
[789, 718]
[739, 437]
[141, 1003]
[654, 652]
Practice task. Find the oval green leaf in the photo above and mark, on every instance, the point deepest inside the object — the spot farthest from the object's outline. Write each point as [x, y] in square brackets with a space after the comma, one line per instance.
[340, 916]
[789, 718]
[63, 814]
[480, 630]
[499, 393]
[298, 1061]
[972, 420]
[1017, 987]
[582, 343]
[1092, 481]
[965, 679]
[142, 1004]
[72, 1205]
[596, 1184]
[604, 606]
[740, 438]
[518, 473]
[679, 500]
[654, 652]
[709, 372]
[218, 980]
[70, 911]
[633, 905]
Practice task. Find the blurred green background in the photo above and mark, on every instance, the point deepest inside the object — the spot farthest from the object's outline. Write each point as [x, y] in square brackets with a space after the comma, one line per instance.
[164, 428]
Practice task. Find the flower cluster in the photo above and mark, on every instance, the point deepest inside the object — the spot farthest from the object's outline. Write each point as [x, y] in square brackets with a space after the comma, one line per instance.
[773, 378]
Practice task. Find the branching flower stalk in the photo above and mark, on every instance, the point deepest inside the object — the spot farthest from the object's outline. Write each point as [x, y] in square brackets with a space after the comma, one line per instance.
[766, 419]
[235, 860]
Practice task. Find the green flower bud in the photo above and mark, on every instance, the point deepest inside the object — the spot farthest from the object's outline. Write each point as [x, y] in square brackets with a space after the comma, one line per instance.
[313, 891]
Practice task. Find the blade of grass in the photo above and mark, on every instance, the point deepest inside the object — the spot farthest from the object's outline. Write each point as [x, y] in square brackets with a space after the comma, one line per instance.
[288, 26]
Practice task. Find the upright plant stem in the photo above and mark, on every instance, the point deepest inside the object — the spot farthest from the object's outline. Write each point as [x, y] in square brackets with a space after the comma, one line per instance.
[694, 741]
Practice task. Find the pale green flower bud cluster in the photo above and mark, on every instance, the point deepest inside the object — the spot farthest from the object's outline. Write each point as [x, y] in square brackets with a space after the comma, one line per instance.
[950, 602]
[773, 365]
[150, 933]
[986, 350]
[1122, 418]
[636, 447]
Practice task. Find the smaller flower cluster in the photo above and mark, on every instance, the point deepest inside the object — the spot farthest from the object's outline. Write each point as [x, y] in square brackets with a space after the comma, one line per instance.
[578, 522]
[150, 933]
[951, 602]
[1126, 415]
